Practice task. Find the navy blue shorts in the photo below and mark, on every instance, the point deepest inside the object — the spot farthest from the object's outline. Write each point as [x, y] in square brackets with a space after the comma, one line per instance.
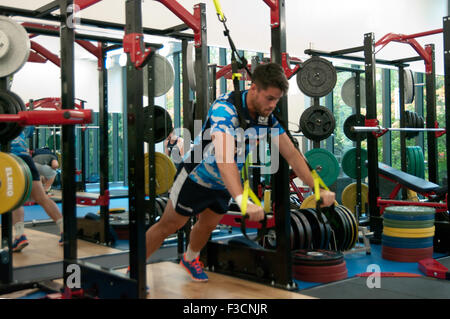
[190, 198]
[34, 172]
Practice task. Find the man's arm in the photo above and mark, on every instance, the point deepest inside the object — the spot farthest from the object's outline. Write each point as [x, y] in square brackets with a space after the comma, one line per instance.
[224, 149]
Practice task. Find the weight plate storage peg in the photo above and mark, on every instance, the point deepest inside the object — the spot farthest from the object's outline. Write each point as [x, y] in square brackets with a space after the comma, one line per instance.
[14, 46]
[317, 77]
[317, 123]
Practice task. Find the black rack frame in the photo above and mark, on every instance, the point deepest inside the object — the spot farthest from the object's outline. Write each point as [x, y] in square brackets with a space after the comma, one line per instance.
[375, 220]
[135, 286]
[271, 267]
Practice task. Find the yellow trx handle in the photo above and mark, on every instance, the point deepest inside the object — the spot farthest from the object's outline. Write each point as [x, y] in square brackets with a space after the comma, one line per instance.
[317, 183]
[248, 192]
[219, 10]
[237, 75]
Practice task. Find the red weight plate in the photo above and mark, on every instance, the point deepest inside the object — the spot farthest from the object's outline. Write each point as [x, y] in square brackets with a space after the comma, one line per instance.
[408, 251]
[320, 270]
[404, 258]
[322, 278]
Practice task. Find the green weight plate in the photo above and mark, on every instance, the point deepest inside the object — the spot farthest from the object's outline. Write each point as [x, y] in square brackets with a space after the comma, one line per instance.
[410, 210]
[421, 160]
[407, 224]
[325, 164]
[349, 163]
[410, 161]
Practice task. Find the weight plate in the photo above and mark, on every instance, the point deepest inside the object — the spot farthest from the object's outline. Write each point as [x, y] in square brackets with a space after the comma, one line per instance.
[163, 124]
[307, 228]
[15, 47]
[164, 173]
[407, 240]
[10, 103]
[190, 65]
[12, 183]
[310, 202]
[408, 218]
[348, 197]
[349, 163]
[20, 106]
[354, 224]
[410, 161]
[324, 163]
[317, 123]
[28, 178]
[408, 83]
[317, 77]
[327, 230]
[296, 233]
[396, 244]
[318, 257]
[350, 231]
[339, 226]
[410, 210]
[407, 235]
[410, 230]
[348, 92]
[164, 75]
[421, 161]
[318, 234]
[300, 243]
[407, 224]
[321, 278]
[386, 253]
[408, 251]
[320, 270]
[354, 120]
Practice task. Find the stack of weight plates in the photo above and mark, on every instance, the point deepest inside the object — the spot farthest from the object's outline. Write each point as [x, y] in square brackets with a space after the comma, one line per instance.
[319, 265]
[408, 233]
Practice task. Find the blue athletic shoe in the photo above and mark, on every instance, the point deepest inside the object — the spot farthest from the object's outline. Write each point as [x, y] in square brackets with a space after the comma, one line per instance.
[61, 240]
[194, 268]
[20, 243]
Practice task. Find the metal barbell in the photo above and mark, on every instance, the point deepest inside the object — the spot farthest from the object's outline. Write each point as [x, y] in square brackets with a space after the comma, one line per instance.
[380, 129]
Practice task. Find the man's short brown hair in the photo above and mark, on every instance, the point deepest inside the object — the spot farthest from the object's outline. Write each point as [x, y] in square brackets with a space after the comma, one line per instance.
[270, 74]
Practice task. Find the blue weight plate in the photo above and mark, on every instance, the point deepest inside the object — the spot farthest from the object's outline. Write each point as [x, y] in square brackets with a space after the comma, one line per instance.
[394, 244]
[408, 217]
[406, 240]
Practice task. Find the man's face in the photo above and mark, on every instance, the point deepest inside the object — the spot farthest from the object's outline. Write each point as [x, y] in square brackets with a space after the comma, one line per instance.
[266, 99]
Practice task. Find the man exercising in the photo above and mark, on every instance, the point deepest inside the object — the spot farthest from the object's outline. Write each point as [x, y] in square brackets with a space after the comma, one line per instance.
[46, 163]
[204, 187]
[19, 147]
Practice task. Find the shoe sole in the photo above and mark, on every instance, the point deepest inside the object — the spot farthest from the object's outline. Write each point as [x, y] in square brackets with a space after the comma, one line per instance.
[20, 247]
[192, 277]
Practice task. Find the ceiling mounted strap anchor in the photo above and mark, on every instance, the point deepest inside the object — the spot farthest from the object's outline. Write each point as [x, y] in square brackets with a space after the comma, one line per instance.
[132, 44]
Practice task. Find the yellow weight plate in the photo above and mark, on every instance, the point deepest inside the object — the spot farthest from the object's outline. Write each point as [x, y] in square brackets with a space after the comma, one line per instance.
[310, 202]
[407, 235]
[349, 197]
[355, 226]
[12, 183]
[28, 179]
[165, 171]
[410, 230]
